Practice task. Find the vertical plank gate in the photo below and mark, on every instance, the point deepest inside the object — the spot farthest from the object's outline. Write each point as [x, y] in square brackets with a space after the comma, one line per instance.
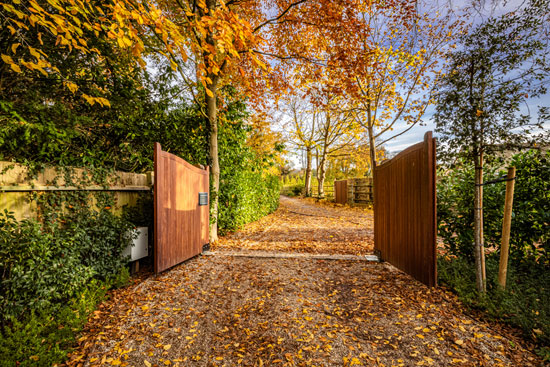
[181, 224]
[405, 211]
[341, 191]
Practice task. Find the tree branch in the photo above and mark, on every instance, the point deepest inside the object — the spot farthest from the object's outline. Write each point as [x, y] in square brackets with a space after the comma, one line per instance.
[280, 15]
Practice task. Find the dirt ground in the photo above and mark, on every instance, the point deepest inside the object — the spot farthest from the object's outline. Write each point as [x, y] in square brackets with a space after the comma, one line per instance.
[231, 311]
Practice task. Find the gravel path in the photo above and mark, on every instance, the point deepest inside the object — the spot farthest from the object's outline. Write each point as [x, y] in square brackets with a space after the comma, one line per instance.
[301, 225]
[297, 311]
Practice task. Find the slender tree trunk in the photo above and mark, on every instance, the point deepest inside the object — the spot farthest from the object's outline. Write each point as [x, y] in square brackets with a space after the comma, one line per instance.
[212, 113]
[322, 174]
[307, 183]
[372, 149]
[479, 252]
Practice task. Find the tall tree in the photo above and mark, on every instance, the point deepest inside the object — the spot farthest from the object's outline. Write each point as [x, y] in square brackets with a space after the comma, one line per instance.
[499, 65]
[303, 132]
[337, 131]
[390, 78]
[226, 42]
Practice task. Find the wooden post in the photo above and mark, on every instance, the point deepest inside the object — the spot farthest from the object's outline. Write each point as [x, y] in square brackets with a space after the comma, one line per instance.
[506, 224]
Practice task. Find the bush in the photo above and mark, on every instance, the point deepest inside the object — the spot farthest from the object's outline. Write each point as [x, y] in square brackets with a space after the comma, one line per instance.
[53, 274]
[246, 193]
[526, 301]
[44, 264]
[42, 339]
[531, 210]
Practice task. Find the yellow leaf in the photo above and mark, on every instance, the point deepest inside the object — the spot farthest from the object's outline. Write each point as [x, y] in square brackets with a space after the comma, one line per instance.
[72, 86]
[146, 363]
[14, 47]
[173, 65]
[167, 346]
[219, 358]
[209, 92]
[15, 68]
[459, 342]
[126, 41]
[88, 99]
[7, 59]
[116, 362]
[420, 336]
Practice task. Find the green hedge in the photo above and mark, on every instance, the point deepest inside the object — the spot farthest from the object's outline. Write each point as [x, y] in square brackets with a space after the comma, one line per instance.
[247, 197]
[246, 192]
[524, 304]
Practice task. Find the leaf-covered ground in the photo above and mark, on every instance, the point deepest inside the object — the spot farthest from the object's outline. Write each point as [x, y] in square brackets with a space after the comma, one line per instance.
[231, 311]
[301, 225]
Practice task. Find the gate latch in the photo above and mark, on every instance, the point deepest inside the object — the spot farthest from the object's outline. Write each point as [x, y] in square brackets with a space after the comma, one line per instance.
[203, 198]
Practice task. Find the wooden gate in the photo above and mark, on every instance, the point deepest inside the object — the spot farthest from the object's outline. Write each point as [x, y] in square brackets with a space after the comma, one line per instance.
[405, 211]
[341, 191]
[181, 224]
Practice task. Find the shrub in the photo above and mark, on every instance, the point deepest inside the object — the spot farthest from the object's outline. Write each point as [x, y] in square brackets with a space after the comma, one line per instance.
[44, 264]
[531, 210]
[526, 301]
[293, 190]
[44, 337]
[246, 196]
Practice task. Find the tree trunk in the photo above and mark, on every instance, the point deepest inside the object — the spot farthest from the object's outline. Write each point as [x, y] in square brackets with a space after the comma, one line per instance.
[307, 181]
[372, 149]
[321, 175]
[212, 113]
[479, 252]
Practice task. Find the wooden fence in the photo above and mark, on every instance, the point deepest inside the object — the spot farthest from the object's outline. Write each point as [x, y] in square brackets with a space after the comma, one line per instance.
[16, 184]
[353, 191]
[181, 223]
[405, 211]
[328, 188]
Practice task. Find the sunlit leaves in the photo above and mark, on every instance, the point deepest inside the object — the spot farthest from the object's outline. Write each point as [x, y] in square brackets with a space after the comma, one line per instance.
[69, 23]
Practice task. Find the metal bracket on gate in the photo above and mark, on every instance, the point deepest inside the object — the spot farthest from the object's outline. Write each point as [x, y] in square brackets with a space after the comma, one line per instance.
[378, 254]
[203, 198]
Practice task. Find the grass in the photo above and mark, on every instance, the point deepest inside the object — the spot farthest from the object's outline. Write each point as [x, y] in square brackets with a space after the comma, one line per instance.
[525, 303]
